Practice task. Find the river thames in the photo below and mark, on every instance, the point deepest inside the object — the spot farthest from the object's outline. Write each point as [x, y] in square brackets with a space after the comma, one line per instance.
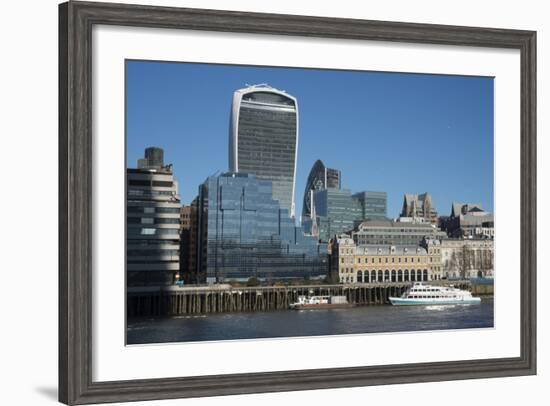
[363, 319]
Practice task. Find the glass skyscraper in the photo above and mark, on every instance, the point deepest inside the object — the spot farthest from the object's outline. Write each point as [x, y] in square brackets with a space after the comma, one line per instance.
[263, 139]
[320, 177]
[243, 233]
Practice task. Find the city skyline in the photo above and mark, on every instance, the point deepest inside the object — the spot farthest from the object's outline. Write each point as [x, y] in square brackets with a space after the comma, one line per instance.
[448, 118]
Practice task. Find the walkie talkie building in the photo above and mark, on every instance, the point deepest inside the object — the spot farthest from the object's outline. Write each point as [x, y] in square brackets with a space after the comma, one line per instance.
[263, 139]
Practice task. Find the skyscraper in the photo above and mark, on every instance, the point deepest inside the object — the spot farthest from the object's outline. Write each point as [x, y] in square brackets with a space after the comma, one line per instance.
[263, 139]
[320, 177]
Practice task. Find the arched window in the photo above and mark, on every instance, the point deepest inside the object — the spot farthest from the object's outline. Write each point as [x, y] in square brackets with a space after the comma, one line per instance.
[425, 275]
[359, 276]
[380, 276]
[373, 276]
[393, 276]
[406, 275]
[413, 275]
[386, 276]
[400, 276]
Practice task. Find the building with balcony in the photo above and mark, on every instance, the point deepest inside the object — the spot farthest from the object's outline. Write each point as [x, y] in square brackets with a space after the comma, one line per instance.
[152, 224]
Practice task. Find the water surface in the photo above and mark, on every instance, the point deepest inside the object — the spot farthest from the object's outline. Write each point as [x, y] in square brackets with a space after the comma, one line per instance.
[364, 319]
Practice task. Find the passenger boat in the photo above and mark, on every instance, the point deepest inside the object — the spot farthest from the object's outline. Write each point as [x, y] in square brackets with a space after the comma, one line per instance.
[320, 302]
[421, 294]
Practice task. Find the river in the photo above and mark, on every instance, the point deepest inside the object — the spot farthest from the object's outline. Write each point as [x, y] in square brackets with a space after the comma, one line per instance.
[364, 319]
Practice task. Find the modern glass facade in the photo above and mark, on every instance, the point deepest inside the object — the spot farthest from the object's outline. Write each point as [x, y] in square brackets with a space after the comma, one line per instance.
[373, 204]
[337, 212]
[263, 138]
[320, 177]
[244, 233]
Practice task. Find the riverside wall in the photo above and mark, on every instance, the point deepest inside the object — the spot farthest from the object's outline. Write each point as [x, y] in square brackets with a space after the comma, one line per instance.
[188, 300]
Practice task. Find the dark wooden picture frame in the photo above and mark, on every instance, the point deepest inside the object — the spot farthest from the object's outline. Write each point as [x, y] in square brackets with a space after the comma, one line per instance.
[76, 20]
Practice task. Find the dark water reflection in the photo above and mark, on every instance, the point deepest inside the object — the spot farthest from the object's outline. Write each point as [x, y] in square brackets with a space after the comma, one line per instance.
[365, 319]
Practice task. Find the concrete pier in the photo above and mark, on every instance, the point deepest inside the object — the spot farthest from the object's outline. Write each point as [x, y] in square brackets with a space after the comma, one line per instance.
[173, 301]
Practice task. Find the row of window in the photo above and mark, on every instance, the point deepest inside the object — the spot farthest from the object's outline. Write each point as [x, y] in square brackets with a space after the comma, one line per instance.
[374, 277]
[158, 183]
[153, 231]
[152, 220]
[152, 209]
[141, 192]
[345, 260]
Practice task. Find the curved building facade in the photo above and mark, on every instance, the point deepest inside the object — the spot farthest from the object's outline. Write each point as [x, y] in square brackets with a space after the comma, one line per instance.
[320, 177]
[263, 139]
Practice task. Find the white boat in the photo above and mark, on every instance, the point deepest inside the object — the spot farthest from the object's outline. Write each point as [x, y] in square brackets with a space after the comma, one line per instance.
[320, 302]
[421, 294]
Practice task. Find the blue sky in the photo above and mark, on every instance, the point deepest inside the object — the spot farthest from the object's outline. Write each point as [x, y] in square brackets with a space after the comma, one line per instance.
[399, 133]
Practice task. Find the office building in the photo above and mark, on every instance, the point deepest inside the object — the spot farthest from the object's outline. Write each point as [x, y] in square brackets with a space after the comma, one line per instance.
[153, 224]
[373, 205]
[336, 212]
[263, 139]
[389, 232]
[320, 177]
[188, 242]
[244, 233]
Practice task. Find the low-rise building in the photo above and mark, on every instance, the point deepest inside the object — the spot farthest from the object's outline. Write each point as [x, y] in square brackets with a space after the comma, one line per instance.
[470, 221]
[467, 258]
[389, 232]
[374, 263]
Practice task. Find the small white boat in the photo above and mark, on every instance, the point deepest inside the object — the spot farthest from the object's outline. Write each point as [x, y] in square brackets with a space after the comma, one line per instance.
[421, 294]
[320, 302]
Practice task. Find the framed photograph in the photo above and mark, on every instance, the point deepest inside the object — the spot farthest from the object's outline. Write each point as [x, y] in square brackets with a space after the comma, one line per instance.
[260, 202]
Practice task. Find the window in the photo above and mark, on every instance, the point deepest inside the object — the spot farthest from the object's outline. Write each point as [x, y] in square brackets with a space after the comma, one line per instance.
[162, 183]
